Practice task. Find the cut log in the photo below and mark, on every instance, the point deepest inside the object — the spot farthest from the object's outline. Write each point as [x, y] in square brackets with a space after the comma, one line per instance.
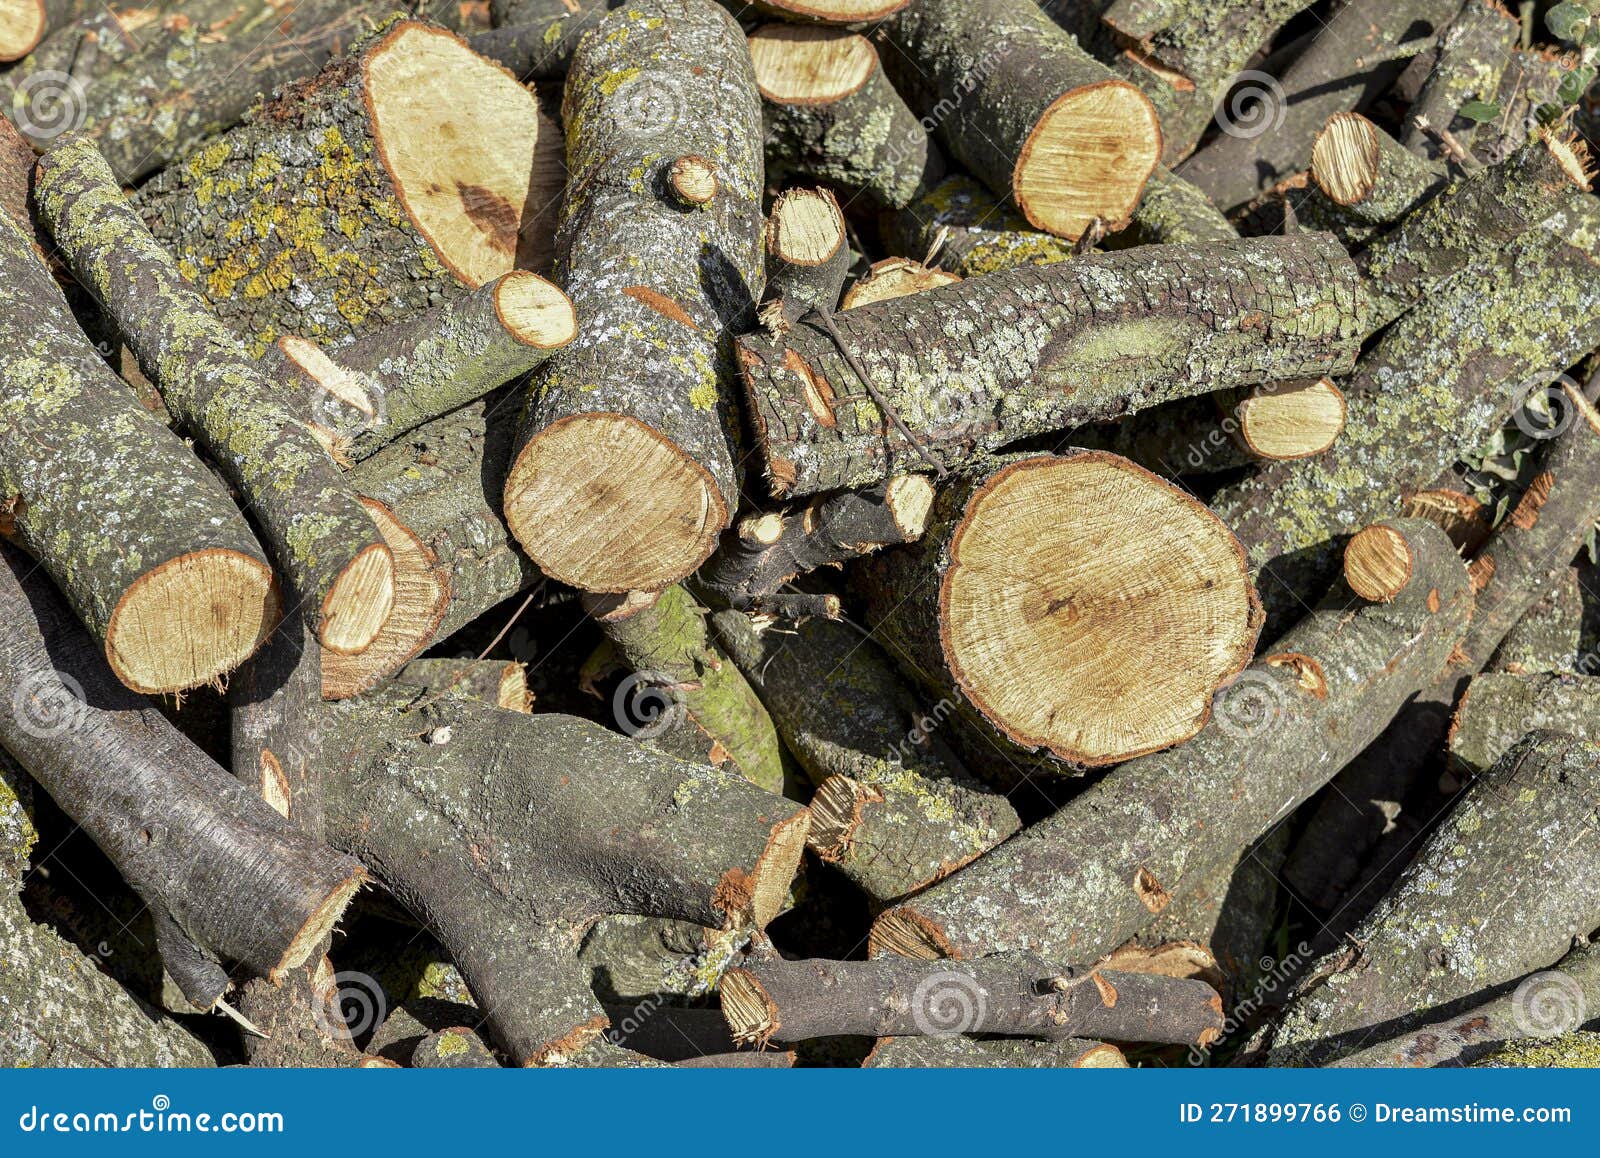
[770, 999]
[808, 253]
[1016, 1053]
[24, 23]
[1550, 635]
[407, 172]
[1033, 116]
[330, 550]
[1468, 66]
[832, 115]
[1498, 709]
[1097, 635]
[361, 397]
[145, 543]
[895, 277]
[1080, 341]
[1091, 876]
[1502, 888]
[224, 875]
[895, 809]
[1367, 174]
[625, 473]
[825, 11]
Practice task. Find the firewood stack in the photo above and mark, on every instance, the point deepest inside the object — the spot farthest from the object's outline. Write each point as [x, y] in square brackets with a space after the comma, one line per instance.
[825, 532]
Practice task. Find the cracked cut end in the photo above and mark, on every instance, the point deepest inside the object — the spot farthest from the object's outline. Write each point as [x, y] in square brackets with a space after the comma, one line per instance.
[1378, 563]
[1088, 157]
[473, 161]
[23, 24]
[534, 311]
[751, 1014]
[904, 932]
[1093, 609]
[604, 503]
[1345, 158]
[806, 227]
[191, 620]
[1289, 420]
[318, 925]
[359, 602]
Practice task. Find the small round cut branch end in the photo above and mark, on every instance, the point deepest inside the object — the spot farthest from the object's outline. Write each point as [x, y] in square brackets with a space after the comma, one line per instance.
[22, 25]
[1345, 158]
[534, 311]
[1289, 420]
[693, 180]
[806, 227]
[1378, 563]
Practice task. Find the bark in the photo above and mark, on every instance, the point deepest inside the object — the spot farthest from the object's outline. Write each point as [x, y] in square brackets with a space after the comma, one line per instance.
[536, 39]
[1532, 79]
[1346, 65]
[361, 397]
[1432, 384]
[1471, 60]
[1499, 890]
[656, 961]
[329, 211]
[1173, 212]
[1024, 114]
[962, 227]
[895, 808]
[845, 126]
[499, 684]
[625, 470]
[968, 609]
[1579, 1050]
[114, 505]
[771, 999]
[687, 698]
[1063, 345]
[684, 1036]
[1498, 709]
[1014, 1053]
[1187, 56]
[1527, 554]
[808, 254]
[16, 175]
[1365, 177]
[1085, 880]
[328, 547]
[1549, 636]
[1554, 1002]
[457, 1048]
[29, 21]
[225, 877]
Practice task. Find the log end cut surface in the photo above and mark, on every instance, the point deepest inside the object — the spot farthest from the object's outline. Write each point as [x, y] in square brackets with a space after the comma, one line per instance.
[460, 138]
[1088, 157]
[1092, 609]
[1288, 420]
[191, 620]
[1344, 159]
[605, 503]
[359, 602]
[535, 312]
[799, 64]
[22, 26]
[806, 227]
[895, 277]
[1378, 563]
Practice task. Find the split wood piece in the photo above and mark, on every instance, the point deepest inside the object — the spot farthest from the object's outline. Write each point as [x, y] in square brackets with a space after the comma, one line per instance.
[1061, 345]
[24, 23]
[1187, 58]
[1436, 379]
[328, 547]
[1502, 888]
[1527, 554]
[361, 397]
[1091, 876]
[535, 39]
[142, 539]
[895, 809]
[625, 472]
[1469, 64]
[684, 696]
[152, 82]
[832, 115]
[1099, 635]
[1502, 202]
[1543, 1006]
[1369, 176]
[405, 173]
[1550, 635]
[808, 253]
[1033, 116]
[764, 551]
[961, 227]
[442, 483]
[501, 684]
[771, 999]
[1274, 422]
[1498, 709]
[61, 1009]
[456, 1048]
[225, 877]
[894, 277]
[509, 834]
[1348, 63]
[1002, 1053]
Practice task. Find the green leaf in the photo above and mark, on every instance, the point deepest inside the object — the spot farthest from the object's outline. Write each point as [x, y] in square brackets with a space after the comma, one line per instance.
[1575, 84]
[1567, 20]
[1479, 111]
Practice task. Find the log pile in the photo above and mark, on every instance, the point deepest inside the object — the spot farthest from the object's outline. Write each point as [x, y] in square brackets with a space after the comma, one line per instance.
[643, 533]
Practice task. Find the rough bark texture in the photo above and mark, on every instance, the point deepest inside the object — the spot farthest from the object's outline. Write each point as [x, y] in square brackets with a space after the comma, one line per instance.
[969, 231]
[498, 683]
[1532, 78]
[1550, 635]
[108, 497]
[896, 809]
[1500, 889]
[1173, 212]
[1348, 63]
[803, 281]
[971, 366]
[536, 38]
[687, 697]
[1085, 880]
[657, 287]
[1434, 382]
[969, 1053]
[1498, 709]
[317, 530]
[292, 222]
[1470, 62]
